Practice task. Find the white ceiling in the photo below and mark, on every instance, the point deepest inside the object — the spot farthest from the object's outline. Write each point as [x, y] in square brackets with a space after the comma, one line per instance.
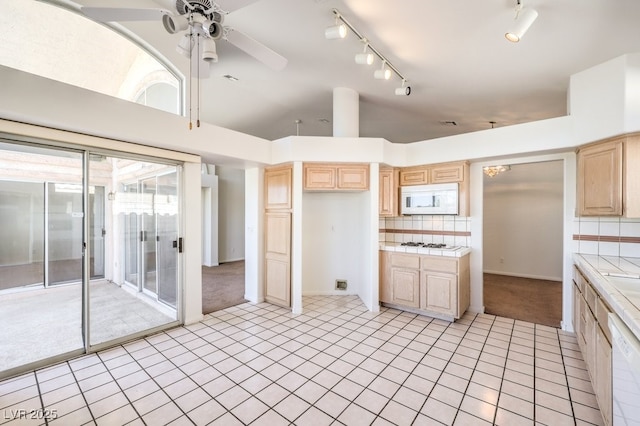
[460, 66]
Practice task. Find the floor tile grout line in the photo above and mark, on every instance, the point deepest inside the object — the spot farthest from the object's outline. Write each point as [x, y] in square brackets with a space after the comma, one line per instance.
[46, 420]
[502, 379]
[84, 398]
[474, 368]
[416, 366]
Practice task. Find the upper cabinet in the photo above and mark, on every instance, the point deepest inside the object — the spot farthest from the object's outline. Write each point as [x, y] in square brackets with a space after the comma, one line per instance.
[336, 177]
[277, 188]
[608, 181]
[435, 173]
[388, 196]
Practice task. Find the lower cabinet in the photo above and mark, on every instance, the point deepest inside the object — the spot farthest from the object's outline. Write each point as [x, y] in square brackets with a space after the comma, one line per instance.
[590, 317]
[430, 285]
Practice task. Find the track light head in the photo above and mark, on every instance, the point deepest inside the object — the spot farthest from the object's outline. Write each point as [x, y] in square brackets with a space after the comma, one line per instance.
[523, 20]
[403, 91]
[383, 73]
[209, 53]
[174, 23]
[335, 32]
[364, 58]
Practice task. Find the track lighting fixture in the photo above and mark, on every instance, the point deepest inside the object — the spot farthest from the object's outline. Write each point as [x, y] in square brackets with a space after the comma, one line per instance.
[338, 30]
[403, 90]
[523, 20]
[383, 73]
[366, 57]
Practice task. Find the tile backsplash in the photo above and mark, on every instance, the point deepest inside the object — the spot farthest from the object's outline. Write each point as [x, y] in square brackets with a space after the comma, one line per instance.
[450, 230]
[606, 236]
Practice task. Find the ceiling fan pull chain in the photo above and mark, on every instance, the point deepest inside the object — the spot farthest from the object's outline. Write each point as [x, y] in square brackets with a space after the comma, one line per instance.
[198, 88]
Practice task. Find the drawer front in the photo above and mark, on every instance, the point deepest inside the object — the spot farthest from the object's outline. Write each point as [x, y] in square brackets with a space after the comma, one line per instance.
[441, 264]
[405, 261]
[414, 177]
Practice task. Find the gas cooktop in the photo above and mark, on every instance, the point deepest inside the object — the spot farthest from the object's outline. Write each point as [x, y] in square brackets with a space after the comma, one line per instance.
[430, 245]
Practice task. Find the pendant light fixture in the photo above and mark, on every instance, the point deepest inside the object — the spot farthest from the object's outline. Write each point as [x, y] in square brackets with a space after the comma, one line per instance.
[523, 20]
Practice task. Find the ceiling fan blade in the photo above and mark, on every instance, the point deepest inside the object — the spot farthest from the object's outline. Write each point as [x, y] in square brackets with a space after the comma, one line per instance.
[111, 14]
[256, 49]
[231, 5]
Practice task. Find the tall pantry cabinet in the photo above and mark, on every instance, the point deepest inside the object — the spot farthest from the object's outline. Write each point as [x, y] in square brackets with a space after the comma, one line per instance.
[277, 222]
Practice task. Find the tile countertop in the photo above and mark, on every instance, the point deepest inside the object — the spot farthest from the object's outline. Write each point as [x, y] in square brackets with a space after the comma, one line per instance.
[621, 293]
[459, 251]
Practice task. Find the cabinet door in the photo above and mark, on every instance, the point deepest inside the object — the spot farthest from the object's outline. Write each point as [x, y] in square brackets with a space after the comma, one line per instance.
[319, 176]
[414, 176]
[589, 334]
[439, 293]
[447, 173]
[599, 191]
[388, 193]
[277, 188]
[278, 258]
[353, 177]
[385, 277]
[405, 287]
[603, 373]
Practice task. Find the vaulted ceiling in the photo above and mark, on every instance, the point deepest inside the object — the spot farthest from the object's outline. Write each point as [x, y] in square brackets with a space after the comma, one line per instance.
[459, 65]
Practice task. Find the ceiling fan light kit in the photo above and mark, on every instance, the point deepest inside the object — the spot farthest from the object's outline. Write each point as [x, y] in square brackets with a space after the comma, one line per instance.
[367, 58]
[174, 24]
[524, 18]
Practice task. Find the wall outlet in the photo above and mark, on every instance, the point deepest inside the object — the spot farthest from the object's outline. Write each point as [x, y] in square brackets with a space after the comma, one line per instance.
[341, 284]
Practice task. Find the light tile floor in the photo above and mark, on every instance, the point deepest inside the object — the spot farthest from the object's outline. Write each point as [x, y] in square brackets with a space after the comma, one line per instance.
[336, 364]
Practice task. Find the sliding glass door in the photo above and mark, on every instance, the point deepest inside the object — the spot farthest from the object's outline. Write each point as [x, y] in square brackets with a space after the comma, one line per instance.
[41, 216]
[89, 254]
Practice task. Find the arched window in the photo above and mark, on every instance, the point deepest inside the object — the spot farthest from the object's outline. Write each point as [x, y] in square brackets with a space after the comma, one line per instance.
[53, 40]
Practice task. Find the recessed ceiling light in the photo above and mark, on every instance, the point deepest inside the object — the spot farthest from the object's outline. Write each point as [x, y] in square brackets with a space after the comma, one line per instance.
[230, 77]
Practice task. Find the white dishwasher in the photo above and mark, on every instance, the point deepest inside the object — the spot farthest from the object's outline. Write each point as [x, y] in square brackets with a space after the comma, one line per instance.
[626, 374]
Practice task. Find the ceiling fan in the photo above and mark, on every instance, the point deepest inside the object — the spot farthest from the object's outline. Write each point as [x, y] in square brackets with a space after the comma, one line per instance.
[202, 24]
[201, 21]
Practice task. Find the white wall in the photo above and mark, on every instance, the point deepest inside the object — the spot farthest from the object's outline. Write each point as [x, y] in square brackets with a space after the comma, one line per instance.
[231, 187]
[209, 216]
[523, 220]
[334, 241]
[254, 237]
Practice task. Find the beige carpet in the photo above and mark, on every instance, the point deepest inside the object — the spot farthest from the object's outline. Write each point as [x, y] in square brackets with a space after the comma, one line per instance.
[222, 286]
[525, 299]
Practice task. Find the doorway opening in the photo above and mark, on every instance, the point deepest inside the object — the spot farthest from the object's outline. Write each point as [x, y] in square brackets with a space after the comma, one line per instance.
[523, 242]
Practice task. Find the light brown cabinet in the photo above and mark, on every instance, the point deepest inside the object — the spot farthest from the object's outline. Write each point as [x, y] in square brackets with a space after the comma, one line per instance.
[457, 172]
[388, 192]
[608, 178]
[278, 205]
[590, 316]
[430, 285]
[335, 177]
[277, 188]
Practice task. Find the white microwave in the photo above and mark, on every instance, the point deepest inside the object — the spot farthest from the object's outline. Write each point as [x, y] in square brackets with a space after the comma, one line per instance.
[439, 198]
